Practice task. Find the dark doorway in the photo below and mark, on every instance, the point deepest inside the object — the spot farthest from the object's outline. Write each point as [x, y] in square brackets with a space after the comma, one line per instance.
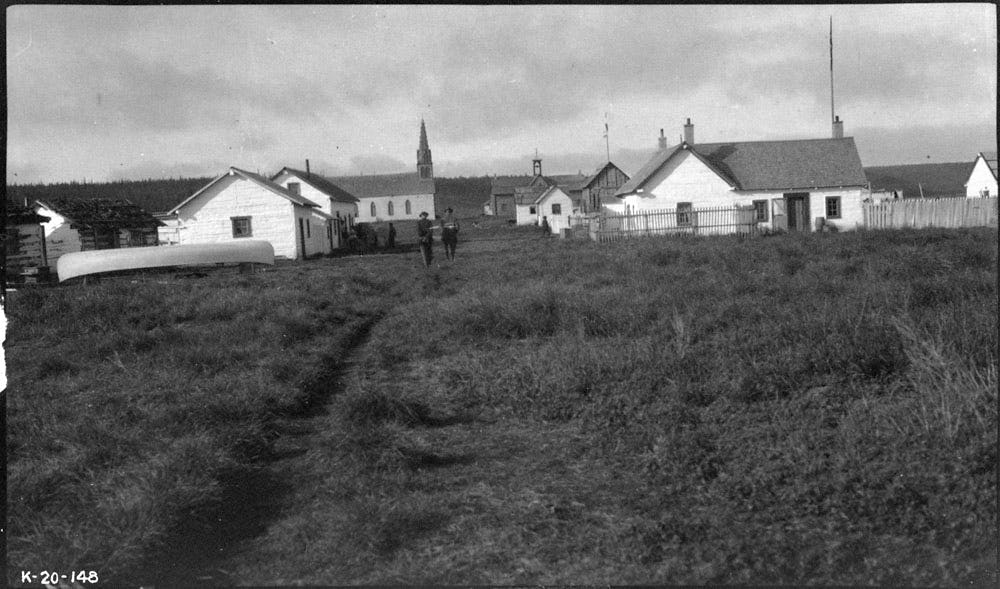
[302, 238]
[797, 207]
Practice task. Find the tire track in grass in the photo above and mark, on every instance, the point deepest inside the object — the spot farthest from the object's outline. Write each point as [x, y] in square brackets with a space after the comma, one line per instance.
[253, 497]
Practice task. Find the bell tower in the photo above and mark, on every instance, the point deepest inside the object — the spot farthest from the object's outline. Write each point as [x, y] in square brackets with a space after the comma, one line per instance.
[424, 165]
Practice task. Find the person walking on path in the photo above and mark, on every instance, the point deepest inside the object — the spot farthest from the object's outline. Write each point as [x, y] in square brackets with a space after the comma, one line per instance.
[371, 239]
[425, 234]
[449, 234]
[390, 240]
[546, 230]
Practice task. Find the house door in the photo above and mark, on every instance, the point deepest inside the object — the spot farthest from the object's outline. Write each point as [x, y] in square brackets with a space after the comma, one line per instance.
[302, 239]
[797, 208]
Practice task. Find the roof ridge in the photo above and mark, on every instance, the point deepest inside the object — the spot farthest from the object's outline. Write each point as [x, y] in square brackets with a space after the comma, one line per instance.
[771, 141]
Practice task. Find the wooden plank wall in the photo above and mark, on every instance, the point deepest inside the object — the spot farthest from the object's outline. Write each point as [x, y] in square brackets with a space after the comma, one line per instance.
[931, 212]
[29, 252]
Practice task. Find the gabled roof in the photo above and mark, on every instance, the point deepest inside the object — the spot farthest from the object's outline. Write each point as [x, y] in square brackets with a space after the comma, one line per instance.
[946, 179]
[548, 191]
[991, 160]
[256, 179]
[103, 213]
[768, 165]
[507, 184]
[384, 184]
[320, 183]
[567, 181]
[593, 177]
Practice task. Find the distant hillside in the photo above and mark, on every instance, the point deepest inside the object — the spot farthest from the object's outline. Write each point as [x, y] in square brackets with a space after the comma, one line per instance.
[465, 195]
[936, 180]
[152, 195]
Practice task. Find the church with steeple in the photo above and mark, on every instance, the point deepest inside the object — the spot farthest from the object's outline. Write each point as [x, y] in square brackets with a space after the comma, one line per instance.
[425, 167]
[380, 198]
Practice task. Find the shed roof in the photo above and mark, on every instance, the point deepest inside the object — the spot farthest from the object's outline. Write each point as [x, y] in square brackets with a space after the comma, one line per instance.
[16, 214]
[384, 184]
[320, 183]
[567, 181]
[258, 180]
[946, 179]
[104, 213]
[769, 165]
[507, 184]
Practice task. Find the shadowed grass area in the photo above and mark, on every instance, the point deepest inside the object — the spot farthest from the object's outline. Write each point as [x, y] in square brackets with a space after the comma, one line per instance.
[796, 409]
[129, 400]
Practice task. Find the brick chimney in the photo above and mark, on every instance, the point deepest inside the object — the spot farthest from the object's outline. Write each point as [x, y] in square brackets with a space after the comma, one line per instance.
[307, 169]
[689, 132]
[838, 128]
[663, 140]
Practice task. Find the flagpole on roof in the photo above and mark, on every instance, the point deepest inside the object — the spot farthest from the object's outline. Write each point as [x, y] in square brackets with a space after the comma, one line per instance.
[607, 142]
[832, 113]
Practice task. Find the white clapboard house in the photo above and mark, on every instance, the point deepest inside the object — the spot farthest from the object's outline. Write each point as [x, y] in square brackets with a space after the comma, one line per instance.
[795, 185]
[242, 205]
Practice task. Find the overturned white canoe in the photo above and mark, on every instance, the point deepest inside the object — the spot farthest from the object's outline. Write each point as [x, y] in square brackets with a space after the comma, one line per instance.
[136, 258]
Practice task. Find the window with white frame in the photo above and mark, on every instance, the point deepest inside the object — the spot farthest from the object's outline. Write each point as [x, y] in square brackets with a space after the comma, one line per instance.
[373, 209]
[833, 207]
[556, 208]
[389, 208]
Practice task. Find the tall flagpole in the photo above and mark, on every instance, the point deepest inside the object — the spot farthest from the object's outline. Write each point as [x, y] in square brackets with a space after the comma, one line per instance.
[607, 142]
[832, 113]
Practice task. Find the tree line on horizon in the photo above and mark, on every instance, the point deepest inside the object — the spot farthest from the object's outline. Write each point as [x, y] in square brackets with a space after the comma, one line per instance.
[465, 194]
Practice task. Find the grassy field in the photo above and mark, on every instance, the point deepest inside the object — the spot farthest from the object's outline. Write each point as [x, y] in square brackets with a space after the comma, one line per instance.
[793, 409]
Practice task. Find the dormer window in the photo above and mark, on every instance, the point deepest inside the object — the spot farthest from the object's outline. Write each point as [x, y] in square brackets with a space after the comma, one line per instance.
[295, 188]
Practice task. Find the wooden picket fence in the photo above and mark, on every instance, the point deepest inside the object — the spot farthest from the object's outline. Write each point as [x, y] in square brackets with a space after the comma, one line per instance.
[931, 212]
[738, 220]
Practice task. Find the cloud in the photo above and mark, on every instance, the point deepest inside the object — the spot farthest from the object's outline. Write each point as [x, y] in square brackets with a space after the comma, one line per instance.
[879, 146]
[155, 96]
[377, 163]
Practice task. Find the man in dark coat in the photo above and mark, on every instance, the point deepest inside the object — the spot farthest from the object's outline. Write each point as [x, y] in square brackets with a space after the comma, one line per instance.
[390, 241]
[449, 233]
[425, 234]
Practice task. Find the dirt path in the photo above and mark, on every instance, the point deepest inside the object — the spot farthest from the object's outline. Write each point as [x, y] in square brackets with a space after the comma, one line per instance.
[508, 502]
[253, 500]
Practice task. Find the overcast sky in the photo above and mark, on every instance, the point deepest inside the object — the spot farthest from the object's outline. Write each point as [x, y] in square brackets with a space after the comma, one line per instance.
[107, 92]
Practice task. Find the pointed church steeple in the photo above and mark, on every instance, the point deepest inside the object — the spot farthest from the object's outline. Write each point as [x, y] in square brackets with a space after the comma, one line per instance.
[424, 164]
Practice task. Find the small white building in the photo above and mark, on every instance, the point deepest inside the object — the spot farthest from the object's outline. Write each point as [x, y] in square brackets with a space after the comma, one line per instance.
[337, 202]
[790, 184]
[983, 179]
[553, 204]
[242, 205]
